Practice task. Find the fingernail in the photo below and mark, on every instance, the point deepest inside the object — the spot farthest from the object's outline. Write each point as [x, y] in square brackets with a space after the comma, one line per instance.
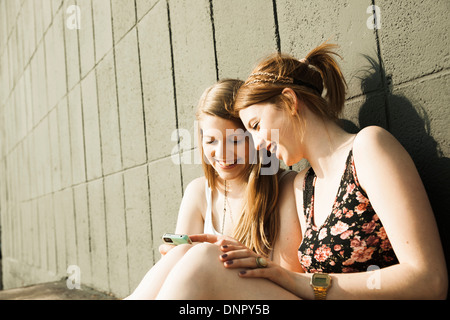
[224, 247]
[242, 272]
[229, 262]
[224, 256]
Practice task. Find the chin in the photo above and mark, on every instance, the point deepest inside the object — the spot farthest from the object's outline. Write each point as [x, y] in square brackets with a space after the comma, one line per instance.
[232, 174]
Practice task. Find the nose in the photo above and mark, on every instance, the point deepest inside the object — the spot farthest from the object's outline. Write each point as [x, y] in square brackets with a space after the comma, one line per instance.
[220, 152]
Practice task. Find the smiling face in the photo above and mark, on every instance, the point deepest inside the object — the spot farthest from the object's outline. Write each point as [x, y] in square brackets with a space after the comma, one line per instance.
[274, 129]
[225, 146]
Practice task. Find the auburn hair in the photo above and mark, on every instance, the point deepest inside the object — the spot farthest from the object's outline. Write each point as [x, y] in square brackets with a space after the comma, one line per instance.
[317, 80]
[259, 222]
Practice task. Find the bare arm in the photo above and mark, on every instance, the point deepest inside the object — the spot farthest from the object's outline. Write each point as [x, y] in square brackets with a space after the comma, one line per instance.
[290, 235]
[388, 175]
[190, 216]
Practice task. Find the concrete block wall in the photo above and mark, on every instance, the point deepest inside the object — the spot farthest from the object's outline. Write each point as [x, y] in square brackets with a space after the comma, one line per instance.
[91, 171]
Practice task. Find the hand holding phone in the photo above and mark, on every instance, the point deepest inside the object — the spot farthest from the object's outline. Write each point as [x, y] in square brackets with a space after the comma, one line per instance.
[176, 239]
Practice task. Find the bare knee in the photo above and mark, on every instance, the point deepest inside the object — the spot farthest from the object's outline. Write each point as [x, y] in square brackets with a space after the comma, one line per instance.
[192, 275]
[202, 258]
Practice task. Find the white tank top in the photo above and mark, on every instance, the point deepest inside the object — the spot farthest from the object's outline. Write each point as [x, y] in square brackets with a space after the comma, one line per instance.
[208, 227]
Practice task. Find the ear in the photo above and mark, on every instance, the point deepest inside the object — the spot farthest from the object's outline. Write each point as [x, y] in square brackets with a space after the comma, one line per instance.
[292, 96]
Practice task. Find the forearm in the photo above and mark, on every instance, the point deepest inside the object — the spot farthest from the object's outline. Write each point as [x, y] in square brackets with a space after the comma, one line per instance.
[401, 281]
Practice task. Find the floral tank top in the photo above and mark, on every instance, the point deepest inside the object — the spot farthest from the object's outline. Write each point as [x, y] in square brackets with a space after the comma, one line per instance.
[352, 238]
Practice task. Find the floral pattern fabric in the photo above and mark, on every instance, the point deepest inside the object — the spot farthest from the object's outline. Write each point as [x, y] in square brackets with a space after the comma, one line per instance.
[352, 238]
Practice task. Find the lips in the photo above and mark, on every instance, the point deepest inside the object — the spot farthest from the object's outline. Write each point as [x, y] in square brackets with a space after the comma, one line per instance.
[226, 165]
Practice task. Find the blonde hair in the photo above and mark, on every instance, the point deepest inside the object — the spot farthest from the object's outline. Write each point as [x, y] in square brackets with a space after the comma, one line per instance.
[317, 80]
[259, 223]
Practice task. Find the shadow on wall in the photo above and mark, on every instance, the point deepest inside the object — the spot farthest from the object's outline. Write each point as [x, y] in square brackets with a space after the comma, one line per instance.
[410, 124]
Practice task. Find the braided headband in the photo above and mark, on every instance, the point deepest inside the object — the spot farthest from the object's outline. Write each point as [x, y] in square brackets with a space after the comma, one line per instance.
[280, 79]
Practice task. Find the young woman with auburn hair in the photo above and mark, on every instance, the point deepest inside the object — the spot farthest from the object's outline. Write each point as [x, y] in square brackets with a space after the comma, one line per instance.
[367, 224]
[238, 196]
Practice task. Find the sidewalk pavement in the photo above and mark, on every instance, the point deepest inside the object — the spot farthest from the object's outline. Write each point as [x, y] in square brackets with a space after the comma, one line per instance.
[53, 291]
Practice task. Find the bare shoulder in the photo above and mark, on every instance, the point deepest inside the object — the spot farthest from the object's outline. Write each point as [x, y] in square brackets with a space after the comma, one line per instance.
[383, 165]
[196, 186]
[195, 192]
[374, 147]
[372, 138]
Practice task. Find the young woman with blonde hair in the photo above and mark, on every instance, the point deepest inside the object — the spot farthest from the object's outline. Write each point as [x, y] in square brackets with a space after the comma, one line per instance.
[367, 224]
[238, 195]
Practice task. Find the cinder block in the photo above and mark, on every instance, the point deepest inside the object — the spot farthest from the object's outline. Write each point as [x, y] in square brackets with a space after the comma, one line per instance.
[191, 166]
[86, 37]
[71, 43]
[116, 228]
[4, 74]
[165, 196]
[28, 25]
[124, 17]
[29, 102]
[13, 55]
[42, 262]
[3, 25]
[193, 47]
[414, 38]
[249, 37]
[364, 111]
[56, 61]
[64, 143]
[54, 149]
[27, 242]
[70, 229]
[131, 113]
[47, 13]
[49, 216]
[109, 121]
[21, 115]
[56, 4]
[419, 118]
[29, 145]
[83, 233]
[23, 172]
[138, 223]
[42, 158]
[38, 19]
[143, 6]
[91, 127]
[98, 241]
[40, 82]
[59, 207]
[76, 136]
[103, 39]
[157, 81]
[305, 25]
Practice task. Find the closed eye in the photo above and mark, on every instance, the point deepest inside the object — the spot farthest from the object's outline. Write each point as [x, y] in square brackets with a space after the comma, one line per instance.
[255, 126]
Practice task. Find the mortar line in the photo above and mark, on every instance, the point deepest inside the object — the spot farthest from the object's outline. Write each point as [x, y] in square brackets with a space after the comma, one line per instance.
[382, 73]
[211, 16]
[44, 48]
[174, 93]
[277, 30]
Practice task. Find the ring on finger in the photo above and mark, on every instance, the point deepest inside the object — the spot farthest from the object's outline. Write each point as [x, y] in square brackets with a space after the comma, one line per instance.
[261, 262]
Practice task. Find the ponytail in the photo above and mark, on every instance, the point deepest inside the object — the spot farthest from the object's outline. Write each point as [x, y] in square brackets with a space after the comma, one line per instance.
[309, 78]
[321, 58]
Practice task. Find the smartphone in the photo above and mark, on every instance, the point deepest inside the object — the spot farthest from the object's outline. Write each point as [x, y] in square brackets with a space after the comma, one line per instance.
[176, 239]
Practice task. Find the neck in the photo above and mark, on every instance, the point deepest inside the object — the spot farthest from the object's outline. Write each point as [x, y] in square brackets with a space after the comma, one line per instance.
[325, 144]
[235, 187]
